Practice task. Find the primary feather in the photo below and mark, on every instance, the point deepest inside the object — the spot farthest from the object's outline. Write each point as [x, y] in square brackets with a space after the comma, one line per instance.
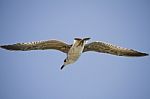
[111, 49]
[74, 51]
[39, 45]
[98, 46]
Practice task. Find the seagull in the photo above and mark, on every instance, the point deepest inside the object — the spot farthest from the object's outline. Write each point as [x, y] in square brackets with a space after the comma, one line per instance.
[74, 50]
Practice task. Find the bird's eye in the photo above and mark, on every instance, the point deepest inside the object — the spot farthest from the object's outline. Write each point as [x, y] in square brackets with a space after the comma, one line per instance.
[65, 60]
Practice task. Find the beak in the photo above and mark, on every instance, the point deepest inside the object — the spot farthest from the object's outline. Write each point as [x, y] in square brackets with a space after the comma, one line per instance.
[62, 67]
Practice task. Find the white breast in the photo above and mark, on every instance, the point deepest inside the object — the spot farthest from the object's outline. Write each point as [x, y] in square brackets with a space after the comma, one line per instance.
[75, 52]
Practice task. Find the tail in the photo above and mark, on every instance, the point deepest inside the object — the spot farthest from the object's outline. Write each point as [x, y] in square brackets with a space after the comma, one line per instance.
[82, 41]
[85, 39]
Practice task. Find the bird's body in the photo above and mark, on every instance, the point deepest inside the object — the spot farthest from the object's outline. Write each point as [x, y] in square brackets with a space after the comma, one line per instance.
[75, 50]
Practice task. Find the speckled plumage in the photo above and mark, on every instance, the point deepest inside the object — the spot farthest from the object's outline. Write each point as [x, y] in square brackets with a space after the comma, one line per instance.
[74, 50]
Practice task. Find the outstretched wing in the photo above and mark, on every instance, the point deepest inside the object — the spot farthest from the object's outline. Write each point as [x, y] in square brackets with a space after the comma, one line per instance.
[39, 45]
[111, 49]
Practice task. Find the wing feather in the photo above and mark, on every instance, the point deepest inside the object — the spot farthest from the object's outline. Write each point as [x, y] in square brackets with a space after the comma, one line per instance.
[111, 49]
[39, 45]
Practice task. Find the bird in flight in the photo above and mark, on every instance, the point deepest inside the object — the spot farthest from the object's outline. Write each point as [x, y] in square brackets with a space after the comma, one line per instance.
[74, 50]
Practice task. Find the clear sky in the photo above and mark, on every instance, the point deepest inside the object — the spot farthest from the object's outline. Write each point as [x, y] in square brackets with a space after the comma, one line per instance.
[37, 74]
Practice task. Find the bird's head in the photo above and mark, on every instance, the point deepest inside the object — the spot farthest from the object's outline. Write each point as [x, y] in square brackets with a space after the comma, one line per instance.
[66, 62]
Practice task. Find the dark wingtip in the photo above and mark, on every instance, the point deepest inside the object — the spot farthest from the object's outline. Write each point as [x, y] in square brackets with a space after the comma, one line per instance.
[137, 53]
[141, 54]
[145, 54]
[10, 47]
[4, 46]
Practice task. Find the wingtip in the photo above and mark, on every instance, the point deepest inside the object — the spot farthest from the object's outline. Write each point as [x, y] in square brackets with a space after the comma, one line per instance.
[7, 47]
[10, 47]
[142, 54]
[3, 47]
[145, 54]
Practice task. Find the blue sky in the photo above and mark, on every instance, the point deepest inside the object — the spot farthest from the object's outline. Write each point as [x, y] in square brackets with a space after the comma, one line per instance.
[37, 74]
